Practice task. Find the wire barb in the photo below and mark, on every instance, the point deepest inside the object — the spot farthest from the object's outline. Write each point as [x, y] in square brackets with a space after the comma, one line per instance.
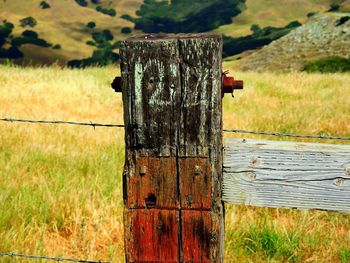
[58, 259]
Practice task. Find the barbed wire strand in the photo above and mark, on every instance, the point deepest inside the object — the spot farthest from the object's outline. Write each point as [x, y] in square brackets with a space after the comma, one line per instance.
[49, 258]
[276, 134]
[65, 122]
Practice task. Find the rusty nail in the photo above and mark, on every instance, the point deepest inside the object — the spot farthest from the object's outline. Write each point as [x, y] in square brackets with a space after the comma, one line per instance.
[189, 200]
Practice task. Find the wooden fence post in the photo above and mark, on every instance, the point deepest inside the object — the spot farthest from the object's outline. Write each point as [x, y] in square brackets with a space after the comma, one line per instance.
[172, 178]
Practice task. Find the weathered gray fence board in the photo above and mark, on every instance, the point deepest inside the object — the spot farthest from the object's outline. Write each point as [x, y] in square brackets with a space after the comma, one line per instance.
[287, 174]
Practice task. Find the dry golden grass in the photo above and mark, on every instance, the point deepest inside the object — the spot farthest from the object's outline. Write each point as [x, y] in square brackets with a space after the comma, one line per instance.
[60, 186]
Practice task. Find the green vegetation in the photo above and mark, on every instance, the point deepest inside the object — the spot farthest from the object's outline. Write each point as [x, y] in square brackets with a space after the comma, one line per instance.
[343, 20]
[44, 5]
[259, 38]
[334, 7]
[344, 255]
[103, 55]
[14, 43]
[106, 11]
[267, 241]
[126, 30]
[329, 65]
[311, 14]
[29, 37]
[57, 46]
[28, 22]
[12, 52]
[185, 16]
[91, 25]
[82, 3]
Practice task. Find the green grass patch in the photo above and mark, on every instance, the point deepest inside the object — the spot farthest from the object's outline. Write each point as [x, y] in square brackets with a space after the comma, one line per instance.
[328, 65]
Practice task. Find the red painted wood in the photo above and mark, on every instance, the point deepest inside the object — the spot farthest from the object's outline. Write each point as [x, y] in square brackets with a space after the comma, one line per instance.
[196, 183]
[198, 236]
[149, 179]
[152, 235]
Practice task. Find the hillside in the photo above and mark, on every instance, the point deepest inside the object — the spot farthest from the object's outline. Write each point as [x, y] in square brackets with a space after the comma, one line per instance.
[323, 36]
[64, 23]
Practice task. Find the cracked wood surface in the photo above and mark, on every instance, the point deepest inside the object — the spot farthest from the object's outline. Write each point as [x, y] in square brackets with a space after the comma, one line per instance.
[287, 174]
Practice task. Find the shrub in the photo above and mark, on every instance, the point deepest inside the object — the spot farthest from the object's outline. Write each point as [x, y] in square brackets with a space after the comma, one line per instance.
[106, 11]
[12, 53]
[28, 22]
[30, 33]
[90, 43]
[126, 30]
[311, 14]
[44, 5]
[19, 41]
[255, 28]
[57, 46]
[334, 7]
[128, 18]
[91, 25]
[342, 20]
[96, 2]
[82, 3]
[328, 65]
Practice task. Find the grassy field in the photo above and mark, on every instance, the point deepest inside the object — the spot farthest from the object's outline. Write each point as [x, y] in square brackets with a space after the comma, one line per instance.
[60, 186]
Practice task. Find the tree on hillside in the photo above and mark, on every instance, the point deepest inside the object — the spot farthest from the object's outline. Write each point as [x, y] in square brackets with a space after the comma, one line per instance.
[12, 52]
[91, 24]
[82, 3]
[126, 30]
[103, 54]
[185, 16]
[259, 38]
[334, 7]
[44, 5]
[106, 11]
[9, 44]
[28, 22]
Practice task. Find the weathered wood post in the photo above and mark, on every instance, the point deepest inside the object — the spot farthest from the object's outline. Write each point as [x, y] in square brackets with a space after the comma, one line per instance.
[171, 88]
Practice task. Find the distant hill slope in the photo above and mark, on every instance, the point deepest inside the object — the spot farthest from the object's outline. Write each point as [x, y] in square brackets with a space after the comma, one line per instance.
[323, 36]
[64, 23]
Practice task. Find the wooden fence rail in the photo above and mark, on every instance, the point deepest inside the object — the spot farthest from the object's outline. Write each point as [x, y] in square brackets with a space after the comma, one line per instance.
[287, 174]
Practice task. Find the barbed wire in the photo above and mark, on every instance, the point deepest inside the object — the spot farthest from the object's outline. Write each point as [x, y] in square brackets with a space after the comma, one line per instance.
[65, 122]
[49, 258]
[276, 134]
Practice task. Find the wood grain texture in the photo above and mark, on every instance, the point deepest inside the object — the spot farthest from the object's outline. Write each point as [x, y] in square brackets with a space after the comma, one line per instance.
[151, 235]
[287, 174]
[171, 88]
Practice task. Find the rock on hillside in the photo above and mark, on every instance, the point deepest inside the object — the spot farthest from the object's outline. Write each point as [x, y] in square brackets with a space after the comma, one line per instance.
[323, 36]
